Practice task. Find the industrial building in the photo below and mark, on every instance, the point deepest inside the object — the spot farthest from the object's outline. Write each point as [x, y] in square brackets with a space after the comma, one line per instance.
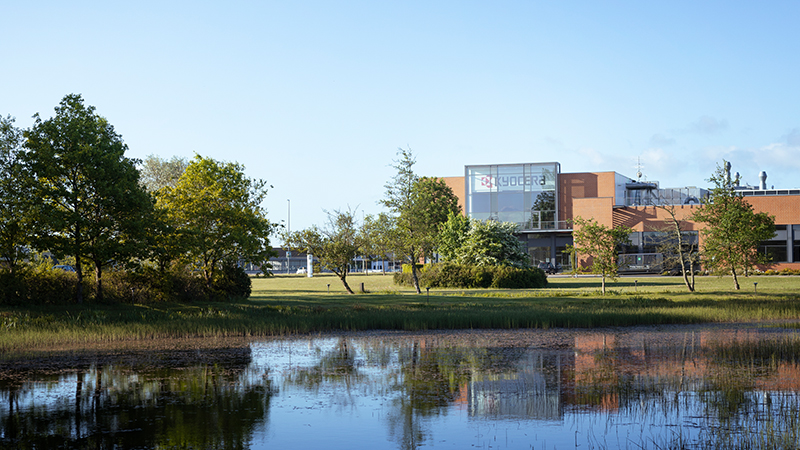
[542, 201]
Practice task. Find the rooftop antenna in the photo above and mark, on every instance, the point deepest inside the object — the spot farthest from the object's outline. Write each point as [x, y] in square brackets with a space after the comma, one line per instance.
[638, 169]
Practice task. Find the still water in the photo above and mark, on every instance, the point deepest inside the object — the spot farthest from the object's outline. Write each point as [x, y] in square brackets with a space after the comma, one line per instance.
[726, 386]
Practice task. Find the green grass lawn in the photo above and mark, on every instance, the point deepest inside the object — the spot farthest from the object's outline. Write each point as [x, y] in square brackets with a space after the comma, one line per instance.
[288, 304]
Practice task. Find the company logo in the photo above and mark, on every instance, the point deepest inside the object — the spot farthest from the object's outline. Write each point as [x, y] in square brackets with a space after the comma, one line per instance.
[487, 182]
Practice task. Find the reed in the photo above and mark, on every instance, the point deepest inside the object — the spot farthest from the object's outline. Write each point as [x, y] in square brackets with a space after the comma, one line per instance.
[295, 304]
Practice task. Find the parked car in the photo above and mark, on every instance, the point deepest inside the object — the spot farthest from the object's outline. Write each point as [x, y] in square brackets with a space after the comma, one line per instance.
[548, 268]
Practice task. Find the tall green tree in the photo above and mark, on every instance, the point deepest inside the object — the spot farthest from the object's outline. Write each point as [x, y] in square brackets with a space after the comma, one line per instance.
[419, 206]
[601, 244]
[216, 213]
[92, 205]
[335, 246]
[16, 201]
[733, 230]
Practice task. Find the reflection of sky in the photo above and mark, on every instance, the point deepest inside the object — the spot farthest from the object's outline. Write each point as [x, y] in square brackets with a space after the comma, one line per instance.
[595, 389]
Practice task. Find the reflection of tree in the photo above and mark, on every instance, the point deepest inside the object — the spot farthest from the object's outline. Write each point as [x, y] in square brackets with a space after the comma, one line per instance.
[431, 379]
[543, 211]
[338, 364]
[207, 406]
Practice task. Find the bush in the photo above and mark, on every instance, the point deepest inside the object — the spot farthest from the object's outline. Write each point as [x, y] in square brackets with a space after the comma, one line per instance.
[515, 278]
[470, 277]
[38, 285]
[232, 282]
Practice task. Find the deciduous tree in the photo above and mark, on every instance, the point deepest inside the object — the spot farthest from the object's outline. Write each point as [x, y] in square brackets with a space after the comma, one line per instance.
[419, 206]
[482, 243]
[216, 213]
[16, 202]
[678, 247]
[378, 232]
[600, 243]
[92, 205]
[733, 229]
[157, 173]
[335, 246]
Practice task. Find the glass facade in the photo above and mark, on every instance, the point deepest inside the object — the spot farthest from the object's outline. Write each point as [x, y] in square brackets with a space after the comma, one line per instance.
[521, 193]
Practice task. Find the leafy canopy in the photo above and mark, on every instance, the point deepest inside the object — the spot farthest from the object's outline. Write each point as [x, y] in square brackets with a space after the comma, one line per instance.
[600, 244]
[335, 246]
[419, 206]
[733, 230]
[91, 204]
[474, 242]
[217, 215]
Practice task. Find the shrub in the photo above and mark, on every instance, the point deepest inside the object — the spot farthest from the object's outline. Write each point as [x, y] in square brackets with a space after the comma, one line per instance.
[39, 285]
[515, 278]
[232, 282]
[467, 277]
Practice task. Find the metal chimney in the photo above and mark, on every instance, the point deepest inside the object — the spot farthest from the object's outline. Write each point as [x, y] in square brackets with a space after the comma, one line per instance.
[763, 177]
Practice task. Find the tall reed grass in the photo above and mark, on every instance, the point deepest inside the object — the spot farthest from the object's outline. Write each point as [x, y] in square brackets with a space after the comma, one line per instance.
[288, 305]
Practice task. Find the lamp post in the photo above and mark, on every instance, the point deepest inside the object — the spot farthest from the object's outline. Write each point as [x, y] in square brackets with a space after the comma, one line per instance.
[288, 231]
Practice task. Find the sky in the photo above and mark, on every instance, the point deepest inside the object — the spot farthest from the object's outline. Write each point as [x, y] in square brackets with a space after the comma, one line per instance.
[316, 97]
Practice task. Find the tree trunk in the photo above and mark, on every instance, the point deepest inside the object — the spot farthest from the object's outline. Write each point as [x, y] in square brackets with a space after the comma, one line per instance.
[346, 286]
[98, 278]
[603, 284]
[735, 279]
[79, 274]
[415, 278]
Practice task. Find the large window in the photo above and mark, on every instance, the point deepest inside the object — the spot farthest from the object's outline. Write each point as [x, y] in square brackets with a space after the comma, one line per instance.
[521, 193]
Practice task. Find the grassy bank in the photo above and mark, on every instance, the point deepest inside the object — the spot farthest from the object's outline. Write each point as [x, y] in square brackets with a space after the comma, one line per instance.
[294, 304]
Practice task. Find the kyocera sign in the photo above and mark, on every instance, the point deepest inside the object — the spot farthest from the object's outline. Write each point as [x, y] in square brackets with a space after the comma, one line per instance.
[483, 182]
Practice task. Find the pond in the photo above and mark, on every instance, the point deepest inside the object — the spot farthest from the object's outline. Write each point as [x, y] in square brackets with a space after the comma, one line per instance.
[727, 386]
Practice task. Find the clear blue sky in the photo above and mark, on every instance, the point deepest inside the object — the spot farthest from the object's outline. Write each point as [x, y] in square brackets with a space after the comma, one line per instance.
[316, 97]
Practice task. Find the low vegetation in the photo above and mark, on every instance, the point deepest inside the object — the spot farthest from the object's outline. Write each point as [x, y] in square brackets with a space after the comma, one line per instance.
[448, 275]
[284, 305]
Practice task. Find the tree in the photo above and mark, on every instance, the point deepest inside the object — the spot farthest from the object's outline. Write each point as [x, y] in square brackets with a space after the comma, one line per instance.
[16, 201]
[733, 230]
[678, 248]
[543, 211]
[452, 234]
[600, 243]
[377, 232]
[482, 243]
[419, 206]
[433, 202]
[216, 213]
[335, 246]
[157, 173]
[91, 203]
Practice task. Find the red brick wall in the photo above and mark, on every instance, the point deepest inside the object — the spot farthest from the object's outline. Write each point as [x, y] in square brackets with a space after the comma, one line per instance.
[457, 184]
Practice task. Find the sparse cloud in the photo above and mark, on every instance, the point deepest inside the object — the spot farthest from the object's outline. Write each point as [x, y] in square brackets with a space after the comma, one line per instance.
[793, 138]
[708, 125]
[660, 140]
[596, 158]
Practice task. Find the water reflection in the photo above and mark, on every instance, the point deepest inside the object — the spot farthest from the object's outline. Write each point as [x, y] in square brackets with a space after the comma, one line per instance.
[107, 405]
[687, 387]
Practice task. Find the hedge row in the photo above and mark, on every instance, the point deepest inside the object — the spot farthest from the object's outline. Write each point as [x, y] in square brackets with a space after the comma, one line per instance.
[458, 276]
[39, 285]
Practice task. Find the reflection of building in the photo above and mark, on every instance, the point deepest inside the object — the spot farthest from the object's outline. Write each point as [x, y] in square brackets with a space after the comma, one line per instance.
[543, 201]
[533, 391]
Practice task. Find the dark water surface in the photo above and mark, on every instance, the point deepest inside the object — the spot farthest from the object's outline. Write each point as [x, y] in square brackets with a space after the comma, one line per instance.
[726, 386]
